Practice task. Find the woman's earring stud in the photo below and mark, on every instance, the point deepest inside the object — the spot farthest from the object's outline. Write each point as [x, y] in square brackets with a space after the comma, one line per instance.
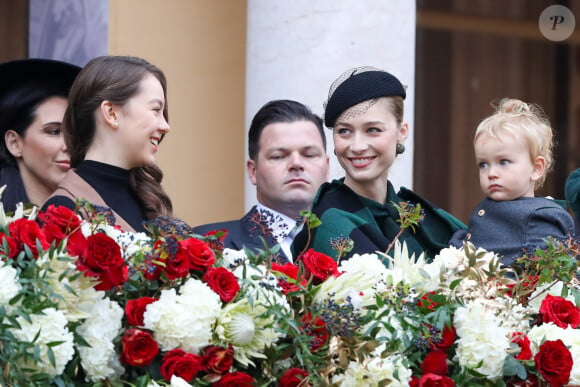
[400, 148]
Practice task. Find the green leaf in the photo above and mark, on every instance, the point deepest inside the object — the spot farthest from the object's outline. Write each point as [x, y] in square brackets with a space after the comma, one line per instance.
[310, 219]
[512, 366]
[455, 283]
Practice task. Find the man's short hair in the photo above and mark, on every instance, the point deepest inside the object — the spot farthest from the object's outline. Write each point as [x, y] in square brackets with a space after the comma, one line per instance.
[280, 111]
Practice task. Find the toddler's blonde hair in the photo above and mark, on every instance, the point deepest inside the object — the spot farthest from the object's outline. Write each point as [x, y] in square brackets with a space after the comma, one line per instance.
[522, 119]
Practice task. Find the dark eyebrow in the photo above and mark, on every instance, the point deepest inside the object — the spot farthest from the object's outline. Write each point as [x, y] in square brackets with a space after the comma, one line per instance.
[52, 123]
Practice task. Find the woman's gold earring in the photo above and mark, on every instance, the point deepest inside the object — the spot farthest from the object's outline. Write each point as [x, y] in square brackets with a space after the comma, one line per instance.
[400, 148]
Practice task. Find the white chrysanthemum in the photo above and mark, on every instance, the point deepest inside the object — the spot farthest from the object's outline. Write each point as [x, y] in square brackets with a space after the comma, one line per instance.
[100, 361]
[363, 277]
[352, 287]
[569, 336]
[404, 267]
[184, 321]
[364, 263]
[480, 339]
[233, 258]
[50, 327]
[375, 372]
[72, 293]
[248, 327]
[10, 286]
[452, 260]
[543, 290]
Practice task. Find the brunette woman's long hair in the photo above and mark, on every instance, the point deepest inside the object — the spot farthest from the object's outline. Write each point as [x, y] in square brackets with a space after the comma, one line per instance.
[115, 79]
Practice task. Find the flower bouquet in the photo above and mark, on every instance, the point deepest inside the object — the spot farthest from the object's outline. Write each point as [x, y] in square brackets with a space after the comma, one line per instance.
[84, 303]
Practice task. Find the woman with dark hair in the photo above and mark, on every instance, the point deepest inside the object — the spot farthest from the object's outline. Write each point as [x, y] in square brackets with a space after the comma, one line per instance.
[33, 156]
[116, 118]
[365, 109]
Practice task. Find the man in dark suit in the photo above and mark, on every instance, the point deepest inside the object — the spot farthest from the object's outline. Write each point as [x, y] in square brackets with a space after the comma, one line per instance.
[287, 163]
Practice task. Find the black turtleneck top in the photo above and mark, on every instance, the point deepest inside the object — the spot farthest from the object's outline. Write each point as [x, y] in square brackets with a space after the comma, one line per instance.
[112, 184]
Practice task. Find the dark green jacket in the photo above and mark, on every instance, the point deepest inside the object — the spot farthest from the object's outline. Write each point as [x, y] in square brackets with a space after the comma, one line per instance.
[371, 225]
[573, 196]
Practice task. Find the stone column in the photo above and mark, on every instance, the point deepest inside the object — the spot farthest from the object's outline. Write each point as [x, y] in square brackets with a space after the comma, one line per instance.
[295, 49]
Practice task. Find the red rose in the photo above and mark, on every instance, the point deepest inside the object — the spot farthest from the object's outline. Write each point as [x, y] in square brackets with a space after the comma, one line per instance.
[554, 362]
[319, 265]
[26, 232]
[198, 253]
[291, 271]
[235, 379]
[102, 258]
[433, 380]
[11, 249]
[223, 282]
[435, 363]
[524, 343]
[180, 363]
[76, 244]
[139, 348]
[176, 266]
[447, 339]
[218, 360]
[134, 310]
[293, 378]
[560, 311]
[316, 328]
[58, 223]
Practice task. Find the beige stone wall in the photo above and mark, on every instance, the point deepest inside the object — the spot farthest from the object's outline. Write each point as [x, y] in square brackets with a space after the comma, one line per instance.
[200, 45]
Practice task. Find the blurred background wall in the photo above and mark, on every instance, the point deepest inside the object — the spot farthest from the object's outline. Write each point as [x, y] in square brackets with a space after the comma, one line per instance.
[224, 59]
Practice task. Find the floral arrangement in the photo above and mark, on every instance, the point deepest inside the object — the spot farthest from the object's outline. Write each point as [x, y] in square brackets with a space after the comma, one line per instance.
[84, 303]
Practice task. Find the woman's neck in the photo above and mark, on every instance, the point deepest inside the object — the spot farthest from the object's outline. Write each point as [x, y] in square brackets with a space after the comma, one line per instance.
[374, 190]
[36, 191]
[105, 157]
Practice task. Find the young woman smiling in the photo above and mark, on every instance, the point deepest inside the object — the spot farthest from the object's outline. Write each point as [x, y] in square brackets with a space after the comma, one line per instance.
[365, 111]
[116, 118]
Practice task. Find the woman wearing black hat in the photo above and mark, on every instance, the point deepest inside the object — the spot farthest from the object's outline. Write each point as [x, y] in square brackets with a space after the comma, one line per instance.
[33, 157]
[365, 111]
[116, 118]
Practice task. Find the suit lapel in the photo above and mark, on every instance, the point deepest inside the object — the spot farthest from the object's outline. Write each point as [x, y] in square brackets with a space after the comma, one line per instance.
[254, 230]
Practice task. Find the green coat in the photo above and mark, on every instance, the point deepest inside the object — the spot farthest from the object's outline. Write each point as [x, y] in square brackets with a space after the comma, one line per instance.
[370, 225]
[573, 196]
